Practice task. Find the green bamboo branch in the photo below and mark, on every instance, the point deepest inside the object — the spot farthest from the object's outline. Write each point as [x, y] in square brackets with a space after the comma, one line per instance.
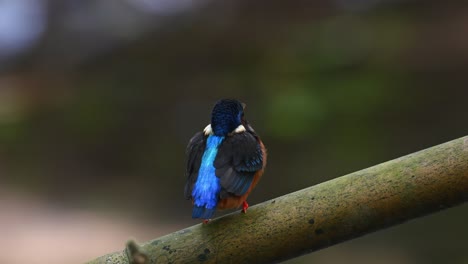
[320, 216]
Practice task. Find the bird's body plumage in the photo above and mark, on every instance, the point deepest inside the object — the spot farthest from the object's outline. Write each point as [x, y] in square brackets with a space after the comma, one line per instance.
[224, 163]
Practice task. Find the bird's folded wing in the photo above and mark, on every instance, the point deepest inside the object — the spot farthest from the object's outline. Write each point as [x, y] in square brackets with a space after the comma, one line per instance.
[239, 158]
[194, 152]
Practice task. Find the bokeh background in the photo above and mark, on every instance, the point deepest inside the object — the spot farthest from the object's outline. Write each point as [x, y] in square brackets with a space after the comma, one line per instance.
[98, 100]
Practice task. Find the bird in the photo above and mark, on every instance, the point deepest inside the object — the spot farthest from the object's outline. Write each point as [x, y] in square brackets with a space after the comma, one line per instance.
[225, 161]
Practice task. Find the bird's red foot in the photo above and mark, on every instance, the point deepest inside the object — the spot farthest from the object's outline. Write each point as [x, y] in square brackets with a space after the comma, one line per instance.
[206, 221]
[245, 206]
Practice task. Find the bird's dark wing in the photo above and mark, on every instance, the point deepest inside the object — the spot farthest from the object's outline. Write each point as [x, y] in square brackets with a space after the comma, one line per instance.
[239, 157]
[194, 153]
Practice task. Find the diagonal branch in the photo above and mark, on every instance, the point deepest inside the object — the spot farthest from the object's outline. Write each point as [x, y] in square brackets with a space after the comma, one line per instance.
[323, 215]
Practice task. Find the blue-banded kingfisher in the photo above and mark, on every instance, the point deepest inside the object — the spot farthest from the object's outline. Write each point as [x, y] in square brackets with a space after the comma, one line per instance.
[224, 161]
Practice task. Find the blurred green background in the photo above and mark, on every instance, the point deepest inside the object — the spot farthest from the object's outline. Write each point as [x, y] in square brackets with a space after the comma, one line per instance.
[98, 100]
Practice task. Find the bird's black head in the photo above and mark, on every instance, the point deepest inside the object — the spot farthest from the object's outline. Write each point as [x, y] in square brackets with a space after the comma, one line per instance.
[226, 116]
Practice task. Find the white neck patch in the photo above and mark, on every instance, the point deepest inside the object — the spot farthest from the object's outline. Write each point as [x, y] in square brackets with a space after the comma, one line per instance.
[239, 129]
[209, 131]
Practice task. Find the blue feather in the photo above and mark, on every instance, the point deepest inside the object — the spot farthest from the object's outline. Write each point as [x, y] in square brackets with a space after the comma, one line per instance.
[197, 211]
[207, 187]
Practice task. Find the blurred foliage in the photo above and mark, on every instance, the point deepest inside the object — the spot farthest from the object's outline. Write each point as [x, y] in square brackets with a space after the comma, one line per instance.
[330, 89]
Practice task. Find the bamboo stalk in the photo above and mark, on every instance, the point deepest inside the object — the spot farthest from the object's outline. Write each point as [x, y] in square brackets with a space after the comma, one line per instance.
[322, 215]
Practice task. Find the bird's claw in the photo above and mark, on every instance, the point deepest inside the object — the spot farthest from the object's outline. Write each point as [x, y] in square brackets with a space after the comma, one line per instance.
[245, 206]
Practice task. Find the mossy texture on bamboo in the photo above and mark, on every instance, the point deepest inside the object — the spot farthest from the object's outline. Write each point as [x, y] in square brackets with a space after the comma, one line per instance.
[320, 216]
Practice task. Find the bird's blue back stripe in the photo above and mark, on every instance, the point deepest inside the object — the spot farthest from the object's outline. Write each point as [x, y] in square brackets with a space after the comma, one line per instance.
[207, 186]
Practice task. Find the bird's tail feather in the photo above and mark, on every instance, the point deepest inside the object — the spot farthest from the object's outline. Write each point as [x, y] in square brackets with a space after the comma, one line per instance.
[202, 212]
